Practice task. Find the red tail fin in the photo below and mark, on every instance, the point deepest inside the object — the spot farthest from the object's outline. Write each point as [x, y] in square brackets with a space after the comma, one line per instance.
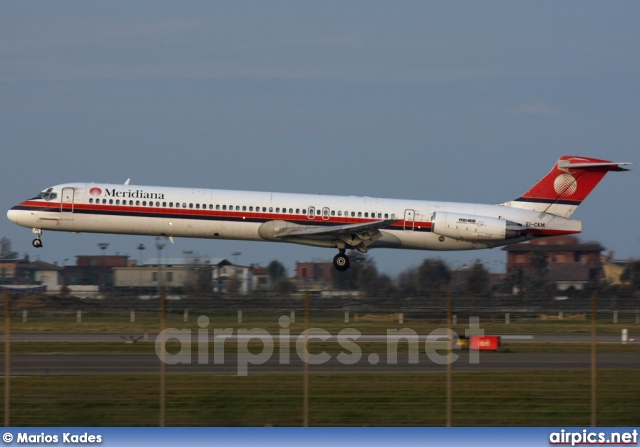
[566, 186]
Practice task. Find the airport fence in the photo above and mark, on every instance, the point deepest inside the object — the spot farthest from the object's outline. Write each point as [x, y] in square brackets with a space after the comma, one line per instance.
[296, 361]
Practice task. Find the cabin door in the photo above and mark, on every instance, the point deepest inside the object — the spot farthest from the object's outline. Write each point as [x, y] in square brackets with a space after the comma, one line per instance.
[409, 219]
[66, 201]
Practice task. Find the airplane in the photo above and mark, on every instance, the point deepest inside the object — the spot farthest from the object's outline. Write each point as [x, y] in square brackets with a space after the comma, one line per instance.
[342, 222]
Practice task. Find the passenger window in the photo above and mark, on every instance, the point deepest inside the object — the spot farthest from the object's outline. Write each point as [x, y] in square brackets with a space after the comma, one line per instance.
[184, 205]
[137, 203]
[191, 205]
[164, 204]
[224, 207]
[90, 200]
[197, 205]
[366, 214]
[271, 209]
[144, 203]
[359, 213]
[290, 210]
[237, 207]
[250, 208]
[297, 210]
[277, 210]
[386, 215]
[333, 213]
[244, 208]
[353, 214]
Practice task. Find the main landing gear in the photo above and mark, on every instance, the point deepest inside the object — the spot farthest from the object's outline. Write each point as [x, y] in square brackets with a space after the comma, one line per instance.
[341, 261]
[37, 242]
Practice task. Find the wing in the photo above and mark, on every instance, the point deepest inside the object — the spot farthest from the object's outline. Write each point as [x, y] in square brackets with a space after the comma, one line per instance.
[356, 236]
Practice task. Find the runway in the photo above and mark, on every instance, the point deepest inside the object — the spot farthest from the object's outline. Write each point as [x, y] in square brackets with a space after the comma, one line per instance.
[91, 337]
[239, 364]
[269, 360]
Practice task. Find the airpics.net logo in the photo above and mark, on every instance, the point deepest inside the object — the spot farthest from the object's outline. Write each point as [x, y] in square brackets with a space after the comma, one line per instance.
[565, 184]
[95, 192]
[257, 346]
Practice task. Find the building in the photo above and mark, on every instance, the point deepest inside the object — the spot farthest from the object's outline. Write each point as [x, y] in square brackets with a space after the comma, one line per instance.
[17, 271]
[230, 278]
[94, 270]
[5, 249]
[48, 275]
[569, 263]
[612, 269]
[184, 275]
[313, 276]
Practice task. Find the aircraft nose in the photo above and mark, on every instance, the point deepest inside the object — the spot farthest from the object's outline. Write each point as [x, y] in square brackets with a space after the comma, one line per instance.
[13, 214]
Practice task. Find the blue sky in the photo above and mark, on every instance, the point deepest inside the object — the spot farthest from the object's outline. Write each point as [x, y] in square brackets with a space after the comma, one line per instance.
[463, 101]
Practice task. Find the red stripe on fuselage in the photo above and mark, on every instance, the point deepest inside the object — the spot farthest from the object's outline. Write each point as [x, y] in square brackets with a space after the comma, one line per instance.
[218, 214]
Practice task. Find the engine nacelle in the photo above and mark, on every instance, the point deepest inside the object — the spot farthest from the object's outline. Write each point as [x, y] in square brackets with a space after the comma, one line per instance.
[467, 227]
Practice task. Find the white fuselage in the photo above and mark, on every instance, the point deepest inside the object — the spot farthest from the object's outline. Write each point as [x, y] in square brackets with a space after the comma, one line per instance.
[244, 215]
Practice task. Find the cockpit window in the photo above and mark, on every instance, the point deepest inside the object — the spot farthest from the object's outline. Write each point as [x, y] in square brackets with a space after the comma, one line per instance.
[46, 195]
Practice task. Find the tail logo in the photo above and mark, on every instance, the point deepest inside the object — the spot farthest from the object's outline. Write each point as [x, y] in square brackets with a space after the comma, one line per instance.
[565, 184]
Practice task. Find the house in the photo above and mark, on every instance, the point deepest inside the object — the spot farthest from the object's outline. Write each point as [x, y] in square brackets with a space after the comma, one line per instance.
[569, 263]
[48, 275]
[313, 276]
[183, 275]
[94, 270]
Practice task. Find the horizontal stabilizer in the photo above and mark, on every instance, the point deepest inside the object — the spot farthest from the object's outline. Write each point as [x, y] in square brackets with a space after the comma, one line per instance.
[565, 187]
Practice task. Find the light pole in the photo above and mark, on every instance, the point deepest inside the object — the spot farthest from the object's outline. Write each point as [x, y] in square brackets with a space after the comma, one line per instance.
[160, 245]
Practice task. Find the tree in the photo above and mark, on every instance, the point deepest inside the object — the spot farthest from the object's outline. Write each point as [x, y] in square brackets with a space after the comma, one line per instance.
[407, 282]
[477, 279]
[348, 279]
[284, 287]
[631, 274]
[537, 285]
[433, 275]
[276, 270]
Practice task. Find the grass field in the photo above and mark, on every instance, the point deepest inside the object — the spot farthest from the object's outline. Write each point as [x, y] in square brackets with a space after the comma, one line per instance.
[332, 321]
[522, 398]
[533, 398]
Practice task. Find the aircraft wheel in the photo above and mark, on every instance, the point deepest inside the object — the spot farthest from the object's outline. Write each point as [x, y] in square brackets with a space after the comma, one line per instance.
[37, 243]
[341, 262]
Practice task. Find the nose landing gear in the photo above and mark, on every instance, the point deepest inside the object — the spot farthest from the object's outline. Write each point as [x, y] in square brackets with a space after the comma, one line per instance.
[37, 242]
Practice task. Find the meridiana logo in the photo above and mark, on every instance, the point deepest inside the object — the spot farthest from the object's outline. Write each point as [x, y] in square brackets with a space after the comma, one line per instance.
[95, 192]
[565, 185]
